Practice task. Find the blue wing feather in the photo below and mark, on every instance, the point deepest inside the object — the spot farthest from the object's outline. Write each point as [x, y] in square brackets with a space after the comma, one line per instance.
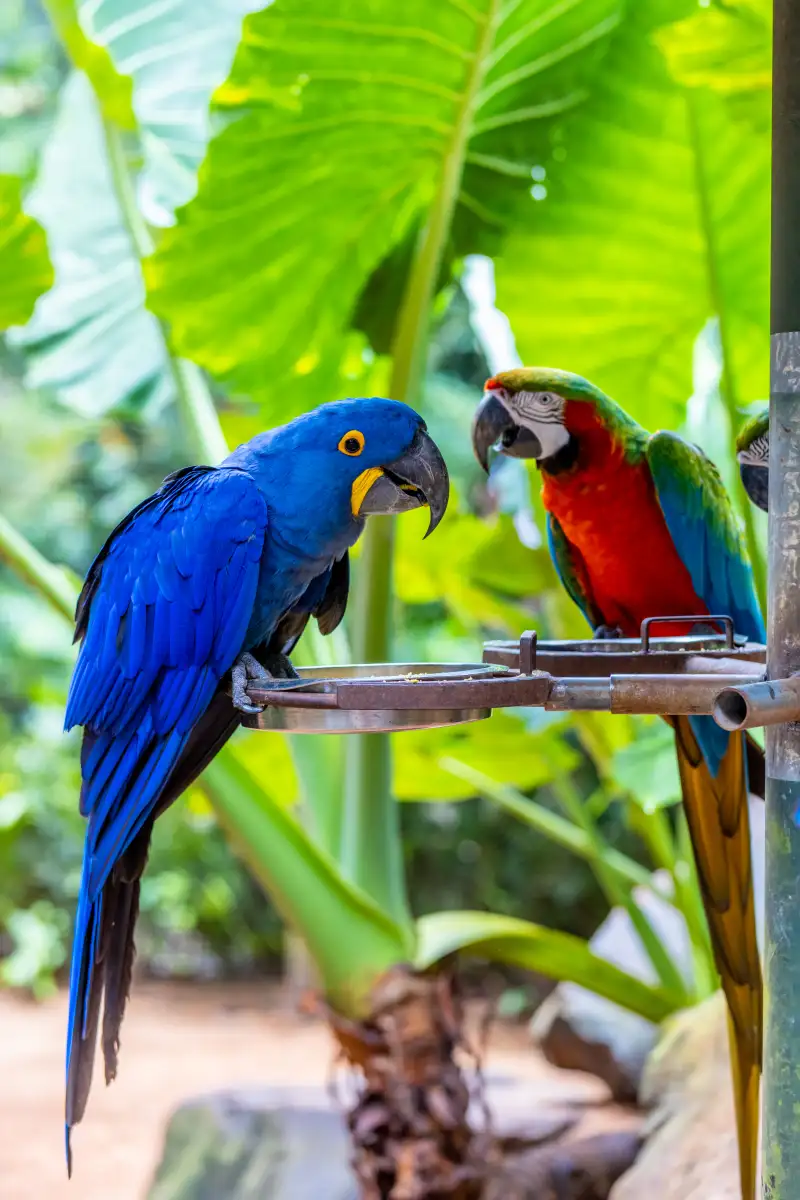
[162, 618]
[704, 530]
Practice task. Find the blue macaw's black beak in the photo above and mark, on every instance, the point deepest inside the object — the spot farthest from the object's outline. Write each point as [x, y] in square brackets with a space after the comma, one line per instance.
[756, 484]
[493, 425]
[415, 479]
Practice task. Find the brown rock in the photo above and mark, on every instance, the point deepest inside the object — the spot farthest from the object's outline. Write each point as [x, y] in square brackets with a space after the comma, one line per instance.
[690, 1152]
[580, 1169]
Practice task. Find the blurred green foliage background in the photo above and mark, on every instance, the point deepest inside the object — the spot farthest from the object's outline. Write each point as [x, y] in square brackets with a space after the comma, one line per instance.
[616, 193]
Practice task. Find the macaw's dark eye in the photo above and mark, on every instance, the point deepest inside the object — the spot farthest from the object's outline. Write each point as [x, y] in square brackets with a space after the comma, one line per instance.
[352, 443]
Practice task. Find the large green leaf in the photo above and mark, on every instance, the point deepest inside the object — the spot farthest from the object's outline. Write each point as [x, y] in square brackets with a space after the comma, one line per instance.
[654, 218]
[25, 270]
[112, 89]
[500, 747]
[350, 939]
[727, 48]
[534, 948]
[91, 339]
[175, 53]
[345, 132]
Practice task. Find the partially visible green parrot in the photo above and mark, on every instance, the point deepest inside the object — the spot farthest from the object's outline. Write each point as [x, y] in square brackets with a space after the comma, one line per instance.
[752, 454]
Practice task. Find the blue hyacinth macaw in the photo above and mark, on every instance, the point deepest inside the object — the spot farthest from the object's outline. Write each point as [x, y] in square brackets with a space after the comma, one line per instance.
[640, 525]
[204, 586]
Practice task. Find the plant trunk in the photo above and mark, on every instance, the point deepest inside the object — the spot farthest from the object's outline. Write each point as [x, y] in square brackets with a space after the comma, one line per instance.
[411, 1135]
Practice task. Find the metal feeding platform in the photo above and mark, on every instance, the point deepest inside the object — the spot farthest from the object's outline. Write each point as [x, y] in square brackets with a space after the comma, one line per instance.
[711, 672]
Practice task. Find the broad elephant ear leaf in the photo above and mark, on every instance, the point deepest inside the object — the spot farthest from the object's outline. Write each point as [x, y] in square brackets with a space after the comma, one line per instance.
[152, 69]
[175, 55]
[91, 340]
[346, 131]
[25, 268]
[654, 220]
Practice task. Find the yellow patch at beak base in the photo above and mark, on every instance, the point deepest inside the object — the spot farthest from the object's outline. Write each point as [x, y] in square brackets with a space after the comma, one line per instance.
[361, 485]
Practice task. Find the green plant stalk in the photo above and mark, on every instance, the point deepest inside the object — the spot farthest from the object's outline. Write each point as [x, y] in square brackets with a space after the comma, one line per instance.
[371, 850]
[662, 961]
[49, 580]
[728, 387]
[350, 939]
[195, 402]
[319, 761]
[705, 969]
[654, 829]
[564, 833]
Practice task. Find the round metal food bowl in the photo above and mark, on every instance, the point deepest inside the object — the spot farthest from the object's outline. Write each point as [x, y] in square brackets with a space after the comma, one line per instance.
[384, 697]
[646, 655]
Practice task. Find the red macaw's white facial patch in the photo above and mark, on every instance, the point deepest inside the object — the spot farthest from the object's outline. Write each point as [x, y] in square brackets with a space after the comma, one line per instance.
[543, 413]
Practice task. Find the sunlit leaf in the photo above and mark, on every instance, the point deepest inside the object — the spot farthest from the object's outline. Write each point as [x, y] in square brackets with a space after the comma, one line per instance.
[25, 270]
[343, 128]
[727, 48]
[648, 769]
[90, 339]
[656, 218]
[113, 90]
[500, 747]
[175, 52]
[534, 948]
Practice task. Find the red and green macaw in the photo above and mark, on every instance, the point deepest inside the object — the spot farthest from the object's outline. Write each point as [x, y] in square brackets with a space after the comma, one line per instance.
[640, 526]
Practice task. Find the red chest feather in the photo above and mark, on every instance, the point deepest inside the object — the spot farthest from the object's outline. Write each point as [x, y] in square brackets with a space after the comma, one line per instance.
[608, 509]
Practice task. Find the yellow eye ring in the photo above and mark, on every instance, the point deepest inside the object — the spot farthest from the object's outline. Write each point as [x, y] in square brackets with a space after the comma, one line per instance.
[352, 443]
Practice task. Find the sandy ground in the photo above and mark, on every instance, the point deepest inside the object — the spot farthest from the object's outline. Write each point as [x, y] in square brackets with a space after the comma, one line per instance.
[178, 1041]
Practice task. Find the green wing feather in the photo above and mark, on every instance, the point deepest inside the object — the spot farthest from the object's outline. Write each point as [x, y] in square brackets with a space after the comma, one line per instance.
[571, 571]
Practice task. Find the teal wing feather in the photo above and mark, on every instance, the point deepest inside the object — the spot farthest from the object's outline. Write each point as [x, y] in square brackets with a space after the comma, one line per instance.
[705, 532]
[571, 571]
[704, 529]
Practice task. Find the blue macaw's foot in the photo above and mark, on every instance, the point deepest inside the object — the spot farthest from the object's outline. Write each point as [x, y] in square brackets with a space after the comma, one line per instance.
[247, 669]
[607, 633]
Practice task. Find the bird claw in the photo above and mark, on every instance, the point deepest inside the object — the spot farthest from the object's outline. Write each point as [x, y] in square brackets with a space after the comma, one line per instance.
[248, 670]
[606, 633]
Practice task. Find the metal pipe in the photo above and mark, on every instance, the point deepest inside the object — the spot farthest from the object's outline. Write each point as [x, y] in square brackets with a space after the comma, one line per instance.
[781, 1088]
[579, 695]
[771, 702]
[678, 695]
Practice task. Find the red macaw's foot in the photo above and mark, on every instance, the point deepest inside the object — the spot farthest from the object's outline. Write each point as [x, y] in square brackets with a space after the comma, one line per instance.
[606, 633]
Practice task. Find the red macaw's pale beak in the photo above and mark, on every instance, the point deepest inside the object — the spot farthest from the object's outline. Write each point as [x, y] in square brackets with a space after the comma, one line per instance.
[493, 425]
[416, 479]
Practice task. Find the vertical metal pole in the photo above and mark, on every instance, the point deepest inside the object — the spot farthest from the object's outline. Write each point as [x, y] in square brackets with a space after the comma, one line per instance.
[781, 1091]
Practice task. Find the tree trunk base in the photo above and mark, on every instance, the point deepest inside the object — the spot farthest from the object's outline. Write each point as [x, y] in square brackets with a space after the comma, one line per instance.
[411, 1135]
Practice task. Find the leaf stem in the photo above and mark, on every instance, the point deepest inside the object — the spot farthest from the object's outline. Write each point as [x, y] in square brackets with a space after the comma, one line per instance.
[728, 387]
[371, 850]
[195, 402]
[50, 581]
[619, 896]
